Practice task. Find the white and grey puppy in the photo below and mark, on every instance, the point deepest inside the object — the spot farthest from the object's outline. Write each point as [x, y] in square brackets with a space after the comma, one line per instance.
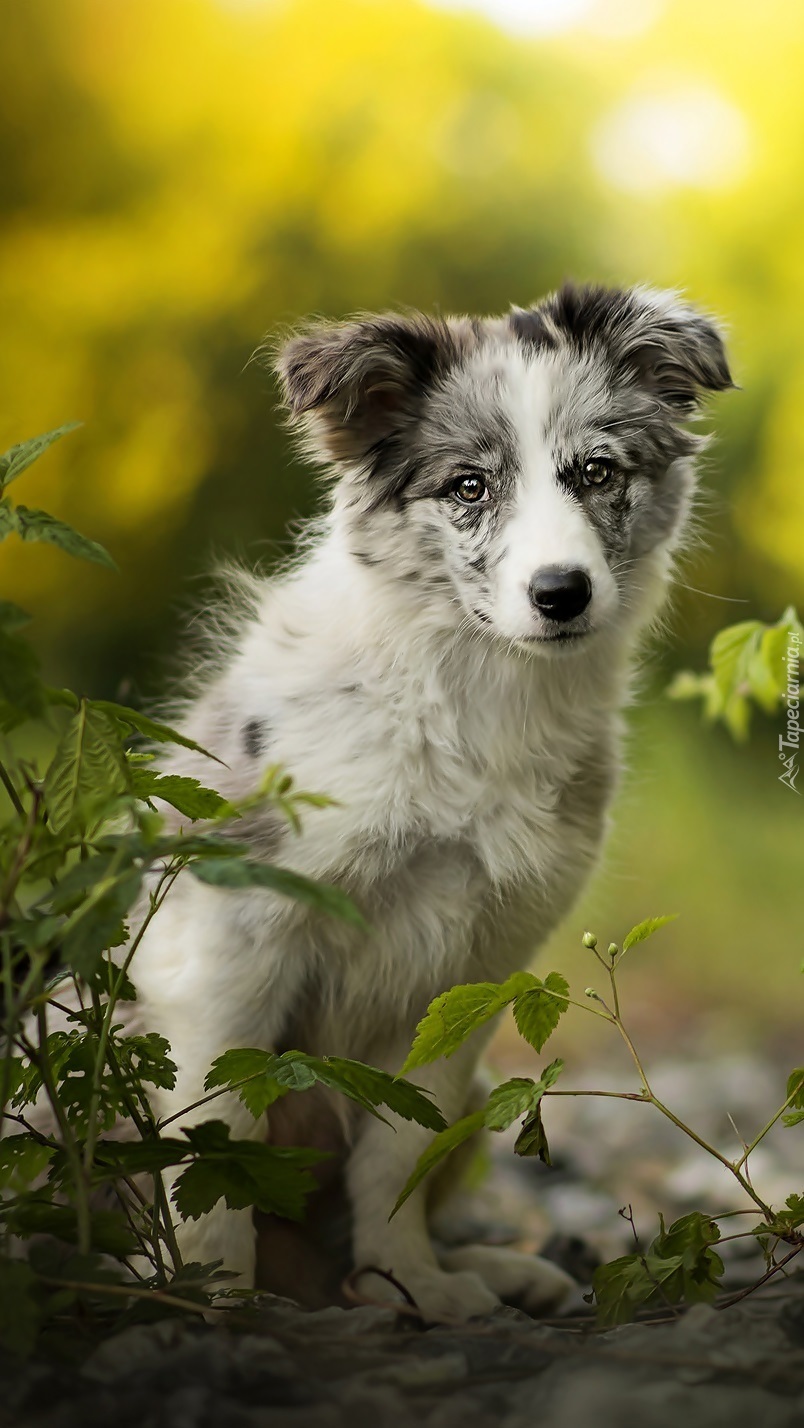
[447, 660]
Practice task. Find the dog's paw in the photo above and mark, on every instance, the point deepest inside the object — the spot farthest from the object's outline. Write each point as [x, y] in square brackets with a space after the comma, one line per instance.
[439, 1296]
[530, 1283]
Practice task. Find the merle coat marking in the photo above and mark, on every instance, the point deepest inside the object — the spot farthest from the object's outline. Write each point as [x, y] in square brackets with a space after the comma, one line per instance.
[411, 665]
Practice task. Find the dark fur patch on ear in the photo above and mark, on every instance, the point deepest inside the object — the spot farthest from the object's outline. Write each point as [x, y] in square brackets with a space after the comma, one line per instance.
[356, 387]
[666, 344]
[531, 327]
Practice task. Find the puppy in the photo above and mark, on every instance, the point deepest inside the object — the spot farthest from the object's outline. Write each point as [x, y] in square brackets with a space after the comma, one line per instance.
[446, 659]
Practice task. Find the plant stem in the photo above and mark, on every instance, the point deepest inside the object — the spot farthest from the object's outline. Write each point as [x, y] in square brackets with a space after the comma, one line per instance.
[72, 1152]
[162, 1222]
[8, 785]
[124, 1291]
[635, 1057]
[771, 1123]
[648, 1095]
[711, 1150]
[614, 1095]
[774, 1270]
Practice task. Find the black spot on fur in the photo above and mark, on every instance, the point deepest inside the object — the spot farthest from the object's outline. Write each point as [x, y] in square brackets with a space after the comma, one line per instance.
[254, 738]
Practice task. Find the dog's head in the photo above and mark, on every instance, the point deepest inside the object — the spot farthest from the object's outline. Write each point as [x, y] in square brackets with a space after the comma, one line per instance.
[524, 471]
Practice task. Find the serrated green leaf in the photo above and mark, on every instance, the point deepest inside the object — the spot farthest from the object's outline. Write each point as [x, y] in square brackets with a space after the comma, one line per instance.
[790, 1218]
[238, 1064]
[518, 1097]
[187, 795]
[295, 1071]
[508, 1102]
[267, 1077]
[239, 873]
[87, 771]
[133, 721]
[372, 1088]
[22, 1159]
[147, 1156]
[109, 978]
[442, 1145]
[646, 929]
[690, 1240]
[454, 1015]
[538, 1010]
[795, 1095]
[274, 1179]
[251, 1072]
[145, 1059]
[620, 1288]
[680, 1266]
[40, 526]
[532, 1139]
[18, 458]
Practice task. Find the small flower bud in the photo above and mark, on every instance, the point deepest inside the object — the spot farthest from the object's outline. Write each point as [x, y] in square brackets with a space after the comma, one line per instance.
[613, 950]
[589, 940]
[592, 994]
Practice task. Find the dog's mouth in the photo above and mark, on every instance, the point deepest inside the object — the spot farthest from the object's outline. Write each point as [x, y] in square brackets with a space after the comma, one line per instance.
[562, 637]
[557, 638]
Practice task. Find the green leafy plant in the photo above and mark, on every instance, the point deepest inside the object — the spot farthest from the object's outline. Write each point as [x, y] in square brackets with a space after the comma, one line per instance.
[680, 1265]
[82, 848]
[747, 662]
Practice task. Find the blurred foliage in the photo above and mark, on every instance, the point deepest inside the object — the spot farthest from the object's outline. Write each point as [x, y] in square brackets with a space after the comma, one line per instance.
[748, 662]
[180, 176]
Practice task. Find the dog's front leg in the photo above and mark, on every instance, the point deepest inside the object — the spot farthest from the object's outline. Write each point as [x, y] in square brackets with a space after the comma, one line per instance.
[379, 1166]
[208, 984]
[453, 1284]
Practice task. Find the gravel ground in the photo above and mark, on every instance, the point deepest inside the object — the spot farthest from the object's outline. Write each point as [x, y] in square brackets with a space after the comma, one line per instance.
[366, 1368]
[370, 1368]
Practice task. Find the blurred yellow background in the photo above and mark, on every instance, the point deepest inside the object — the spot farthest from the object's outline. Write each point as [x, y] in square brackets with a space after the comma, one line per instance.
[179, 177]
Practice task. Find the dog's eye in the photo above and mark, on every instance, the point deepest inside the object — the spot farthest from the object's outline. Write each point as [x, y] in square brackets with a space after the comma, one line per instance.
[471, 490]
[597, 471]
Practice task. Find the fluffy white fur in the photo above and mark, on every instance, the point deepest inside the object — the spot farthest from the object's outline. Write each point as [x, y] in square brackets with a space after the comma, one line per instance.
[472, 768]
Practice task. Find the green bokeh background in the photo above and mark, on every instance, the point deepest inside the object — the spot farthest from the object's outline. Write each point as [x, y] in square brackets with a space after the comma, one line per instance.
[179, 177]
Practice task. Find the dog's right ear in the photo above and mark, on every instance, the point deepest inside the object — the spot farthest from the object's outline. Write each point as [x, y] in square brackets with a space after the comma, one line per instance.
[356, 388]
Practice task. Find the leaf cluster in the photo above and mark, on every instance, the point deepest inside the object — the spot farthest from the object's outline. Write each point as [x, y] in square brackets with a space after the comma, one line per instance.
[86, 861]
[749, 663]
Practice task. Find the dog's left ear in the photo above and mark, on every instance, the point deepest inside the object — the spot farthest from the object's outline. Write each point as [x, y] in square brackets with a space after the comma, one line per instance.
[673, 349]
[357, 387]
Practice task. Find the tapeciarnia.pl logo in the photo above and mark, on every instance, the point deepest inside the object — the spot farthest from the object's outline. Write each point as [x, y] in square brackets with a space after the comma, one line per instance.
[790, 741]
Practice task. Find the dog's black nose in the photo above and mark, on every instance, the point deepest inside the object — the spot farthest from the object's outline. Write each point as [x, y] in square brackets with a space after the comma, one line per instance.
[560, 594]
